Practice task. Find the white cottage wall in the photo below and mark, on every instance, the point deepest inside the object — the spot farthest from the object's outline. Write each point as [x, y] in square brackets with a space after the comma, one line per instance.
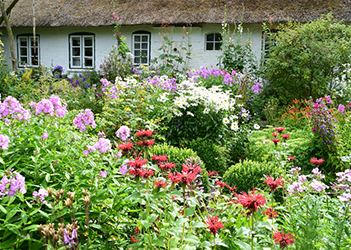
[54, 42]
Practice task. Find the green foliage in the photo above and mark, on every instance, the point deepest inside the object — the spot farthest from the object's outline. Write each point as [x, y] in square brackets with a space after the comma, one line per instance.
[215, 157]
[307, 58]
[174, 57]
[249, 174]
[237, 50]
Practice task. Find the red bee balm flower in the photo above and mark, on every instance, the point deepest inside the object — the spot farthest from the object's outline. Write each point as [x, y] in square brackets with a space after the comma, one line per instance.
[285, 136]
[275, 141]
[270, 213]
[273, 184]
[146, 143]
[316, 162]
[165, 166]
[125, 147]
[133, 240]
[275, 134]
[283, 239]
[214, 224]
[160, 184]
[279, 130]
[144, 133]
[251, 200]
[160, 158]
[291, 158]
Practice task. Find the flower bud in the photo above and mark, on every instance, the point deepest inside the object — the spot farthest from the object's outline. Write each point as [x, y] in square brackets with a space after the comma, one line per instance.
[68, 203]
[87, 200]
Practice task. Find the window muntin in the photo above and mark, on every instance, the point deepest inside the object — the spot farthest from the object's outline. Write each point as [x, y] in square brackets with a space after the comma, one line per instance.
[28, 54]
[213, 41]
[267, 44]
[81, 51]
[141, 46]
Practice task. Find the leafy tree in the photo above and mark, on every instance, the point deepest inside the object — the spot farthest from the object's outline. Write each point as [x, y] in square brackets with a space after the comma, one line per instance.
[307, 59]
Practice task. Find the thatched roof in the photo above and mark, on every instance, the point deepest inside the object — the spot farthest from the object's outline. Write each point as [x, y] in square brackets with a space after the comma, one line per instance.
[54, 13]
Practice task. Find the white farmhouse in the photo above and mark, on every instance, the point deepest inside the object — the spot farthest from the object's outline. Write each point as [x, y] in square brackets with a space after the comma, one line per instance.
[77, 34]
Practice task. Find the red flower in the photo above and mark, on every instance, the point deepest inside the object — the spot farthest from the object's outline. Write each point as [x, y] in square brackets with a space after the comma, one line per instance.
[291, 158]
[144, 133]
[214, 224]
[148, 173]
[212, 173]
[251, 201]
[160, 184]
[136, 230]
[275, 141]
[125, 147]
[146, 143]
[283, 239]
[137, 172]
[185, 178]
[133, 240]
[285, 136]
[137, 163]
[160, 158]
[222, 184]
[165, 166]
[173, 178]
[273, 184]
[280, 129]
[275, 134]
[174, 197]
[316, 162]
[270, 213]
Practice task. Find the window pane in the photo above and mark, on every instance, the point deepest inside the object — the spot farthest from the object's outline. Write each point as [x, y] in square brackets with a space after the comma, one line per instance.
[33, 53]
[32, 42]
[88, 62]
[217, 46]
[88, 41]
[210, 37]
[144, 60]
[144, 53]
[23, 51]
[136, 45]
[76, 52]
[144, 45]
[76, 41]
[24, 60]
[209, 46]
[35, 60]
[23, 41]
[76, 61]
[218, 37]
[136, 60]
[88, 51]
[136, 52]
[137, 38]
[144, 38]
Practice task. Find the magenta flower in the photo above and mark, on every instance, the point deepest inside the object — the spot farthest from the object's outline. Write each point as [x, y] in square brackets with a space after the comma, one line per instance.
[45, 136]
[4, 141]
[85, 152]
[103, 174]
[40, 195]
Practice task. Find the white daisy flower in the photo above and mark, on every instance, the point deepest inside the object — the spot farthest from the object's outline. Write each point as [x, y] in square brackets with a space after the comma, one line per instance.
[256, 126]
[206, 111]
[225, 120]
[234, 126]
[245, 115]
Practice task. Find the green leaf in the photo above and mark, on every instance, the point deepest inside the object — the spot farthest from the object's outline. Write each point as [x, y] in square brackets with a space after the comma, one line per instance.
[242, 245]
[192, 239]
[198, 224]
[189, 211]
[152, 218]
[3, 209]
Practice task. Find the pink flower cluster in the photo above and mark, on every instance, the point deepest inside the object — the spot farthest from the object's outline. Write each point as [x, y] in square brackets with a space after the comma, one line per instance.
[302, 184]
[40, 195]
[85, 118]
[50, 106]
[13, 109]
[10, 186]
[4, 141]
[102, 144]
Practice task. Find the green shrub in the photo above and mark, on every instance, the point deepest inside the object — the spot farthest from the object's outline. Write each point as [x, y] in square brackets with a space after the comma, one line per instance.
[215, 157]
[306, 59]
[249, 174]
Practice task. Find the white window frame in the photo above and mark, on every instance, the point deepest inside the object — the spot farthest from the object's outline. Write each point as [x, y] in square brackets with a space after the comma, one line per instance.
[266, 45]
[82, 55]
[141, 49]
[28, 47]
[214, 42]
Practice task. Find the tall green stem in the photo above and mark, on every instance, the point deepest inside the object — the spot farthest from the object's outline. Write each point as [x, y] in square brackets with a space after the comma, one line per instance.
[252, 234]
[181, 247]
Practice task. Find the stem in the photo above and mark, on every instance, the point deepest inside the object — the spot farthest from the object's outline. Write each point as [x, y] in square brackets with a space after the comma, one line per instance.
[272, 221]
[252, 234]
[181, 246]
[87, 221]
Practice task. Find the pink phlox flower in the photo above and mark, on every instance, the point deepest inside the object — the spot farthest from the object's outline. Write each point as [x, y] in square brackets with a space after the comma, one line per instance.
[40, 195]
[103, 145]
[4, 141]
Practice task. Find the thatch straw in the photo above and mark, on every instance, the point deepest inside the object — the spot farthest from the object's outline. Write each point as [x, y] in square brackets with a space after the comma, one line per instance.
[54, 13]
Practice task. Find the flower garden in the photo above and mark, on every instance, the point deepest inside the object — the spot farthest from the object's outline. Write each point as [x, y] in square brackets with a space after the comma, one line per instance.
[143, 158]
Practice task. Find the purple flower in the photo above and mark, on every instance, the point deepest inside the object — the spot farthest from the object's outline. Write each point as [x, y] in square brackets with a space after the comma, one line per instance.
[123, 132]
[84, 118]
[40, 195]
[12, 183]
[45, 136]
[103, 174]
[103, 145]
[341, 108]
[4, 141]
[85, 152]
[124, 169]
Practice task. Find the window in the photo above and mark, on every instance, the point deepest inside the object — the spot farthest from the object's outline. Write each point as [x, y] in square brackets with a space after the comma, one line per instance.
[28, 54]
[141, 47]
[213, 41]
[81, 51]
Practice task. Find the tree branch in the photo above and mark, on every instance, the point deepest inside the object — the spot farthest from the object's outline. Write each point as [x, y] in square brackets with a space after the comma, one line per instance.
[8, 10]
